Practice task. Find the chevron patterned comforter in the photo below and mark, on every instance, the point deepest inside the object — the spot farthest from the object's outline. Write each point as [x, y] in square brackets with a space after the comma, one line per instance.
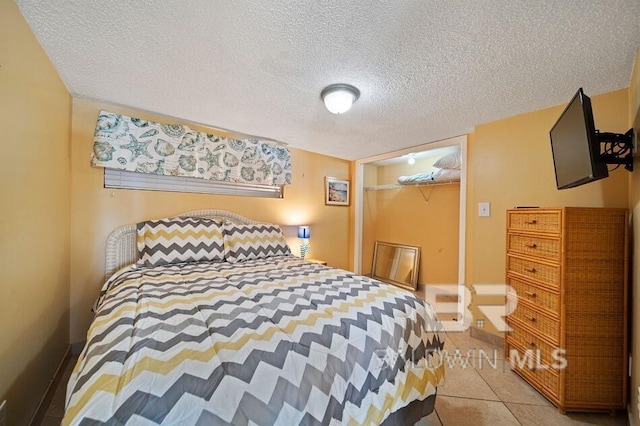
[274, 341]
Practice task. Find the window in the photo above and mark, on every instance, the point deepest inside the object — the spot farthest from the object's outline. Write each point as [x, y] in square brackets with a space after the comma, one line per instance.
[131, 180]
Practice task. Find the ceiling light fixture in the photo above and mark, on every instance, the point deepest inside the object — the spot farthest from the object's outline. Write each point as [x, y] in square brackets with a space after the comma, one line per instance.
[411, 159]
[338, 98]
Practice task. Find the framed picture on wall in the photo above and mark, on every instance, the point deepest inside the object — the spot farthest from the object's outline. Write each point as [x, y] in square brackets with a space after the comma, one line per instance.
[336, 192]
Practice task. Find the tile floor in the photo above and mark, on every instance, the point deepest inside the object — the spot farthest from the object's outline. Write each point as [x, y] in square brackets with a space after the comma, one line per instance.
[479, 394]
[475, 395]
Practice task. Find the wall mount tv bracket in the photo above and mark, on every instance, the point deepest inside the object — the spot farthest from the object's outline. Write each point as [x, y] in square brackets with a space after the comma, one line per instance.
[617, 148]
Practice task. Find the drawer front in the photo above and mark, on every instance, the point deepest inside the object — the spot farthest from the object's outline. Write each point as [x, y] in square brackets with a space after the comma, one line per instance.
[542, 298]
[537, 348]
[548, 248]
[546, 274]
[543, 377]
[542, 324]
[534, 221]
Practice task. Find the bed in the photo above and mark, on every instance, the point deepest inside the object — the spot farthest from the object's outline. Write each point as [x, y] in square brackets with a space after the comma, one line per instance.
[258, 337]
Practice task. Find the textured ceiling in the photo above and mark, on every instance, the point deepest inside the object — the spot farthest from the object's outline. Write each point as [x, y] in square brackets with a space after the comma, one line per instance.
[426, 70]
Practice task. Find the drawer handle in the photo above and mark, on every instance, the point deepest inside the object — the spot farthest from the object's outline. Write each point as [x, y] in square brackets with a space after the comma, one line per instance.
[530, 294]
[531, 222]
[532, 270]
[532, 344]
[533, 245]
[533, 319]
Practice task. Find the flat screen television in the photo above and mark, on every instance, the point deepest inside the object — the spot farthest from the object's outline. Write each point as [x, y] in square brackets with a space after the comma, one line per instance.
[575, 145]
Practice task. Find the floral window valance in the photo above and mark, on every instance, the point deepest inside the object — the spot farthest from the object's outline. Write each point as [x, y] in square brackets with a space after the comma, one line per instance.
[132, 144]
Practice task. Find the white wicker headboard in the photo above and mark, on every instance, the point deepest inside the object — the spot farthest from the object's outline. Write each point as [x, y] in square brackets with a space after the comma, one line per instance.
[121, 244]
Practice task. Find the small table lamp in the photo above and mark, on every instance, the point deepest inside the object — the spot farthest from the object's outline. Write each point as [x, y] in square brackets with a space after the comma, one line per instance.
[304, 233]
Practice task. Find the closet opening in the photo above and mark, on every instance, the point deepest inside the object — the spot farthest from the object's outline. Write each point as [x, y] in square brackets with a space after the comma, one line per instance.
[417, 197]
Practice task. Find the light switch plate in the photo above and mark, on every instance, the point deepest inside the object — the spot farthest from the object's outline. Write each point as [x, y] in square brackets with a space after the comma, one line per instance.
[484, 209]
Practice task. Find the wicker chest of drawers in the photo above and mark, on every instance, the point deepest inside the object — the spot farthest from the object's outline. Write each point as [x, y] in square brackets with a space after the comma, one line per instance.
[568, 269]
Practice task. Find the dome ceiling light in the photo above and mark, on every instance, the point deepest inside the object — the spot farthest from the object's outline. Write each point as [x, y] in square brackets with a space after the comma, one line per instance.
[338, 98]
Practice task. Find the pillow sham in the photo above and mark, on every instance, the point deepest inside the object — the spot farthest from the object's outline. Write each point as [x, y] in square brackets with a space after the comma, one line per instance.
[246, 242]
[177, 240]
[449, 161]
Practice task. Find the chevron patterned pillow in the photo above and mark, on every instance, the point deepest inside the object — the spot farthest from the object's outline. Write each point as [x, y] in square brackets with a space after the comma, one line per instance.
[177, 240]
[246, 242]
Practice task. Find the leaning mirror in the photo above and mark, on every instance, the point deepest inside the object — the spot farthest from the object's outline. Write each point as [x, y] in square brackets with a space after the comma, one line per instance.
[396, 264]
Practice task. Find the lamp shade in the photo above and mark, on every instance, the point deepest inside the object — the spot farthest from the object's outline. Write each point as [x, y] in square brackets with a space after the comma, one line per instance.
[304, 232]
[338, 98]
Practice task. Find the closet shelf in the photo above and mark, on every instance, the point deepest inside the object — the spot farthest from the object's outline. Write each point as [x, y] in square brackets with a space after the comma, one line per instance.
[397, 185]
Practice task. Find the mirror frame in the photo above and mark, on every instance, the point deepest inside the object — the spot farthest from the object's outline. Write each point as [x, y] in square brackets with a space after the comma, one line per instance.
[413, 285]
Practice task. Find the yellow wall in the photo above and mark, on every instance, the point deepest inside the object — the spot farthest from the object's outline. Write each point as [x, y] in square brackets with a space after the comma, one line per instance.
[34, 219]
[634, 205]
[403, 216]
[510, 164]
[96, 211]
